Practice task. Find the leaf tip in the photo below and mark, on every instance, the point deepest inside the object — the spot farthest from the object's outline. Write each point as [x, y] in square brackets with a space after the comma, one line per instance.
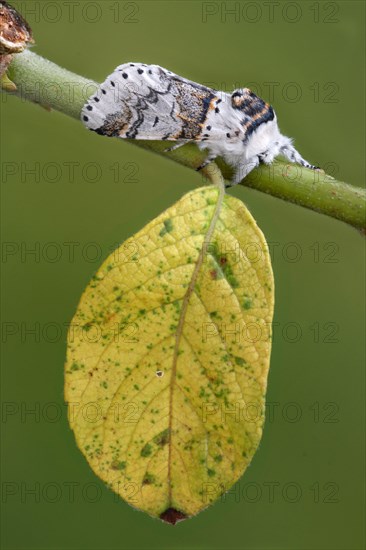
[172, 516]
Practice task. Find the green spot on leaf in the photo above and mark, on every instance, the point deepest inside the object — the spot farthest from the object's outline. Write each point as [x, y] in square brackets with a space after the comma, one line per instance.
[146, 450]
[168, 227]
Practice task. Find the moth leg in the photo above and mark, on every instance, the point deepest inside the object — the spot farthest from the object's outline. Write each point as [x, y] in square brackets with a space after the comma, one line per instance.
[175, 146]
[293, 155]
[206, 162]
[242, 170]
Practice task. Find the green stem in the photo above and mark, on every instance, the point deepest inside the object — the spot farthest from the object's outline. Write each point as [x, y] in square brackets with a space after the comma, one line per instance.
[41, 81]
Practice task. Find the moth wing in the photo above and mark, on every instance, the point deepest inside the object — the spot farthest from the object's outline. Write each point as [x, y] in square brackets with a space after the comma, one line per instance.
[139, 101]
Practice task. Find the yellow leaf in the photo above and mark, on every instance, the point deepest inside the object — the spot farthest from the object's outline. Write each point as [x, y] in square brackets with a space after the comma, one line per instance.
[168, 356]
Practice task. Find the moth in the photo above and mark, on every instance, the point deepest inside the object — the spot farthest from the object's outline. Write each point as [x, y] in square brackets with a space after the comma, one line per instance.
[139, 101]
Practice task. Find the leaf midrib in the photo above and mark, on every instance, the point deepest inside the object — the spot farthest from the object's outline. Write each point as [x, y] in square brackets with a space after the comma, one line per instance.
[186, 298]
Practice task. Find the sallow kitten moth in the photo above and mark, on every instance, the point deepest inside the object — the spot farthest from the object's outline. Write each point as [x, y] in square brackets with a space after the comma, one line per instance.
[139, 101]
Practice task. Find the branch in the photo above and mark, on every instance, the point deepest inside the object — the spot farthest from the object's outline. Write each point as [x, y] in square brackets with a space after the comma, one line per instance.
[43, 82]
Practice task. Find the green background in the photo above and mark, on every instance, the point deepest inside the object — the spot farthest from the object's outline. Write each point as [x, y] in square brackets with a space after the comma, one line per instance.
[312, 450]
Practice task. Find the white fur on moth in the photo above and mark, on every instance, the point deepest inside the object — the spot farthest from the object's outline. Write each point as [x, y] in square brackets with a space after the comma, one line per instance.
[139, 101]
